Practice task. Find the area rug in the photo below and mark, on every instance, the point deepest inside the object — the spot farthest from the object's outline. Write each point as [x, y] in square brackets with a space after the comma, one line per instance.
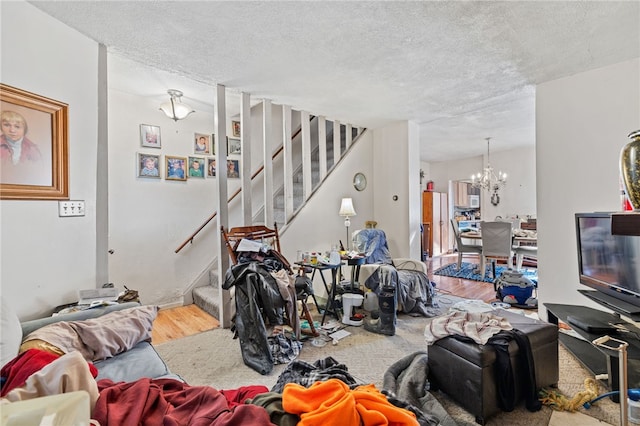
[468, 272]
[214, 358]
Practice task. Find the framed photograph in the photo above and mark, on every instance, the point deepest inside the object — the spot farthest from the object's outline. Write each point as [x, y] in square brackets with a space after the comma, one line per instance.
[34, 163]
[148, 165]
[175, 167]
[203, 144]
[233, 169]
[196, 167]
[235, 129]
[233, 146]
[211, 167]
[150, 136]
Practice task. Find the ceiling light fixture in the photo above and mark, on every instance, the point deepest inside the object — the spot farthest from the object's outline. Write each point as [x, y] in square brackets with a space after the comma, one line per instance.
[174, 108]
[489, 180]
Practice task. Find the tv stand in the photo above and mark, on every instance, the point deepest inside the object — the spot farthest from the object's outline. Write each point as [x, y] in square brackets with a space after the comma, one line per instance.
[598, 360]
[620, 306]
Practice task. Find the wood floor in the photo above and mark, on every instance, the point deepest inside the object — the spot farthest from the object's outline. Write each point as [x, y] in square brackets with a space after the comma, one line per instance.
[181, 321]
[187, 320]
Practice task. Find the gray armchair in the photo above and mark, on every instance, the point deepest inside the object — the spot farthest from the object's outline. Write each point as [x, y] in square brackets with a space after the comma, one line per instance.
[461, 247]
[411, 273]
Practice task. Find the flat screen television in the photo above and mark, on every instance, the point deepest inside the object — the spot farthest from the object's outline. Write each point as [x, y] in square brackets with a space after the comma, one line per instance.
[609, 264]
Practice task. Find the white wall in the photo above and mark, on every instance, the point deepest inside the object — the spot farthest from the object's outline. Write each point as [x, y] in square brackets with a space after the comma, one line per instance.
[518, 197]
[582, 122]
[45, 258]
[150, 218]
[397, 174]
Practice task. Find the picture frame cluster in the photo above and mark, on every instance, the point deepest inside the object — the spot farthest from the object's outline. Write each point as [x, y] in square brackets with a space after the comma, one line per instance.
[201, 165]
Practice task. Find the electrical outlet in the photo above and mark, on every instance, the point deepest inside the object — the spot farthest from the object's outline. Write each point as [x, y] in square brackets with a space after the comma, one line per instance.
[70, 208]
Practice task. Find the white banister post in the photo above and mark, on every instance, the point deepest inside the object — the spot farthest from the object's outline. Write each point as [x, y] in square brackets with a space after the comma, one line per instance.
[220, 126]
[287, 163]
[336, 142]
[306, 154]
[322, 146]
[245, 143]
[267, 126]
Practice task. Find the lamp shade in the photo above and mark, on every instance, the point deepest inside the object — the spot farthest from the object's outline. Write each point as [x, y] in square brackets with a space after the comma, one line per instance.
[346, 208]
[174, 108]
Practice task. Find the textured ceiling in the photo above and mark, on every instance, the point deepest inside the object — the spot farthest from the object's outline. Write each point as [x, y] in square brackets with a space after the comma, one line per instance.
[462, 70]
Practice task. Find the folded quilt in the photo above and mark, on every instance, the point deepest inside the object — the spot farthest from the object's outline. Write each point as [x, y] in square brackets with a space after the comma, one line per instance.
[479, 326]
[102, 337]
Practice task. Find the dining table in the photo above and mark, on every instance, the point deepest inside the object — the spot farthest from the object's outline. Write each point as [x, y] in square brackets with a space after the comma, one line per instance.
[521, 237]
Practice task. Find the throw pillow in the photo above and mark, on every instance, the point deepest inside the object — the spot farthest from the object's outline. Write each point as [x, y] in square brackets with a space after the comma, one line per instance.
[10, 331]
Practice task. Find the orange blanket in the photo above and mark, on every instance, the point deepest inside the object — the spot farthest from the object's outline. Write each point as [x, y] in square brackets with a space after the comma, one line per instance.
[326, 401]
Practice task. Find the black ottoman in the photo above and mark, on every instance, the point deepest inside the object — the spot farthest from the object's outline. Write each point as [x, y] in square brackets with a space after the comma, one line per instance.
[465, 370]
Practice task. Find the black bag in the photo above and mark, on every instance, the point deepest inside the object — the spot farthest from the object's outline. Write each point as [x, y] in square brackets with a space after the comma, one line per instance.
[303, 284]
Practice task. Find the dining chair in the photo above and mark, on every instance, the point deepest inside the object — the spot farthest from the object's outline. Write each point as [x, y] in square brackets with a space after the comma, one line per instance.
[463, 248]
[496, 244]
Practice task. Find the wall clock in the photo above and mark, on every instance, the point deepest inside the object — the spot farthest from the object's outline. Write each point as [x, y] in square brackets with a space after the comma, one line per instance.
[359, 181]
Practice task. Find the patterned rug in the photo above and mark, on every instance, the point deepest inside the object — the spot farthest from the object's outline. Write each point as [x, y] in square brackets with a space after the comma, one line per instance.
[468, 272]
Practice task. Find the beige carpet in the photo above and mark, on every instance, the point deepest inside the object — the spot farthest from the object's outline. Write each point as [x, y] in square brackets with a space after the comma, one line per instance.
[214, 358]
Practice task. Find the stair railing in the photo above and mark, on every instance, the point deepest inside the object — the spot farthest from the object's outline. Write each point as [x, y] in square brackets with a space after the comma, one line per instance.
[239, 190]
[231, 198]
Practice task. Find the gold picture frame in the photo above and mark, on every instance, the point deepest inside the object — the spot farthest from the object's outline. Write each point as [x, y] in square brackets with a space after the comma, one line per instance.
[39, 168]
[175, 167]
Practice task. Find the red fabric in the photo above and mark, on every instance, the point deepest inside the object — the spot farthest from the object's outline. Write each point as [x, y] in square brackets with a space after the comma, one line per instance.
[240, 395]
[170, 402]
[16, 372]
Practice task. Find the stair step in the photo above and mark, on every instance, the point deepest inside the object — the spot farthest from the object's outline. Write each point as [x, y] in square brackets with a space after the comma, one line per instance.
[207, 299]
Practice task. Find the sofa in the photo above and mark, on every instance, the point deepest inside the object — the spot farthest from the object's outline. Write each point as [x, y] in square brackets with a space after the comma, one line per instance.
[139, 361]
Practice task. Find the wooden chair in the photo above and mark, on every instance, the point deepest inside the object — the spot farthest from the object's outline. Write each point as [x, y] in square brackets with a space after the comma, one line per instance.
[232, 239]
[233, 236]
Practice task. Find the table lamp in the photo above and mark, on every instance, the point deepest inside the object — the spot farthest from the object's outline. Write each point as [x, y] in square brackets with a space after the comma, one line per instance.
[347, 210]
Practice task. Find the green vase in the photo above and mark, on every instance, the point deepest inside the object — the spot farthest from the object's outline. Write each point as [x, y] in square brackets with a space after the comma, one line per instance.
[630, 168]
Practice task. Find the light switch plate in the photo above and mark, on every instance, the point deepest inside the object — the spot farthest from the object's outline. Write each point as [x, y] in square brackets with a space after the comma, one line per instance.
[71, 208]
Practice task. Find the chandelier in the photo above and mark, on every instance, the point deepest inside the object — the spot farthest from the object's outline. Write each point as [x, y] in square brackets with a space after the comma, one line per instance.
[489, 180]
[174, 108]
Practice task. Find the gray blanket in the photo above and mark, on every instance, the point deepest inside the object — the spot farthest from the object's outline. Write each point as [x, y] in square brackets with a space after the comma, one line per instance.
[414, 291]
[406, 381]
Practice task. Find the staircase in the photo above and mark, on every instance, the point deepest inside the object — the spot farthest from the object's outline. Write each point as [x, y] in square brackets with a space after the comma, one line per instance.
[207, 297]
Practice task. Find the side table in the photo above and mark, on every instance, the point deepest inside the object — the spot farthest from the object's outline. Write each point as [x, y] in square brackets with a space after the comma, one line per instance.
[330, 288]
[355, 264]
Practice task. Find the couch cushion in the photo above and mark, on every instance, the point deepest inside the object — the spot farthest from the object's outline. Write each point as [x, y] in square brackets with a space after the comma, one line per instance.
[100, 338]
[140, 361]
[11, 333]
